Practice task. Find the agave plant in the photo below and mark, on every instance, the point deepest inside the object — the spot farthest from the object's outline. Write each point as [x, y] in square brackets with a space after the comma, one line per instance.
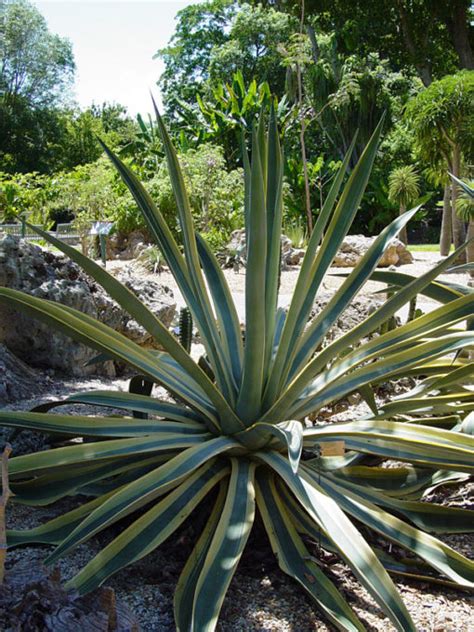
[240, 434]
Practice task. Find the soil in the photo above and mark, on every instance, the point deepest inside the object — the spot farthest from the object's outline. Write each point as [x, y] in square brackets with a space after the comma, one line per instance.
[260, 597]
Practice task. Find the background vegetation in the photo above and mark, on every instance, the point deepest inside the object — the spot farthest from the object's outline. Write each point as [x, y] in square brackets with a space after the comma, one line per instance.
[330, 67]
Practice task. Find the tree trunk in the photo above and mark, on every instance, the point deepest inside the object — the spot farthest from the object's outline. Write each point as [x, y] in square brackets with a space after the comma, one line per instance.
[459, 229]
[307, 195]
[446, 237]
[403, 235]
[470, 250]
[458, 27]
[420, 61]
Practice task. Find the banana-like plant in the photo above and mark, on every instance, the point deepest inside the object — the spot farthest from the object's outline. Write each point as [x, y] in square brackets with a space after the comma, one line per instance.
[239, 435]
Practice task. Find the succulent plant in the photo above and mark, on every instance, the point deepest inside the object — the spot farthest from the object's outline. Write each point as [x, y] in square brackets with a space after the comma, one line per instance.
[239, 430]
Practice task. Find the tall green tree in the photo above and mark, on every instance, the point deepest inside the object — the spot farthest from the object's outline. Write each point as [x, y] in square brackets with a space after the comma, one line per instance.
[199, 29]
[350, 93]
[253, 47]
[35, 65]
[215, 39]
[442, 119]
[36, 71]
[434, 37]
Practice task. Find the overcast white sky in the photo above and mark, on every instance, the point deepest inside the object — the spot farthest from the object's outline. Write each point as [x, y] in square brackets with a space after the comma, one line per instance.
[114, 43]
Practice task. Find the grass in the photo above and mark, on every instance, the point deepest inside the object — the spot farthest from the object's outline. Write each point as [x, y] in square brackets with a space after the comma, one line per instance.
[423, 247]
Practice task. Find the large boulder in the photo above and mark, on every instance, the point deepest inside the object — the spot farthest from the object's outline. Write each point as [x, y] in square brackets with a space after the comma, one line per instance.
[40, 273]
[354, 247]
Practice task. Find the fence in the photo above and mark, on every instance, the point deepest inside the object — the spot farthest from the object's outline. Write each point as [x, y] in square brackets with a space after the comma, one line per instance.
[65, 232]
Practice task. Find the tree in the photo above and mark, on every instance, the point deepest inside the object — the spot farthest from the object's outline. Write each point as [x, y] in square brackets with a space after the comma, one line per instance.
[36, 70]
[36, 65]
[200, 28]
[296, 57]
[253, 47]
[442, 119]
[214, 40]
[350, 94]
[403, 188]
[108, 122]
[435, 38]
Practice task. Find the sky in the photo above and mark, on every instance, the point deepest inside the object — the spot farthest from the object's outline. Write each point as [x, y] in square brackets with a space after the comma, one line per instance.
[113, 44]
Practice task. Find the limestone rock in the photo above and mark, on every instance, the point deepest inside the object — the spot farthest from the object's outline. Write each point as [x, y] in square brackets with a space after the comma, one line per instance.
[289, 256]
[31, 269]
[17, 379]
[158, 298]
[126, 247]
[355, 246]
[358, 310]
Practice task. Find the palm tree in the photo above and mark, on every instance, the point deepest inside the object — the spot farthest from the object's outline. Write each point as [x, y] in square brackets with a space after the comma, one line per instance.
[403, 188]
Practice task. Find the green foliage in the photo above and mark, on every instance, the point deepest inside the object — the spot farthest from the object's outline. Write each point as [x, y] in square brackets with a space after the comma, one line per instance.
[431, 37]
[227, 113]
[200, 29]
[36, 65]
[350, 93]
[151, 258]
[87, 193]
[320, 174]
[215, 39]
[36, 69]
[215, 195]
[465, 203]
[144, 147]
[296, 232]
[40, 129]
[23, 195]
[242, 433]
[82, 128]
[442, 118]
[253, 47]
[403, 185]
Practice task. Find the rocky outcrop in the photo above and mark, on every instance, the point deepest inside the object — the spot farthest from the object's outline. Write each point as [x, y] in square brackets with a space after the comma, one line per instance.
[17, 379]
[357, 311]
[290, 256]
[126, 247]
[350, 253]
[31, 269]
[237, 249]
[158, 298]
[354, 247]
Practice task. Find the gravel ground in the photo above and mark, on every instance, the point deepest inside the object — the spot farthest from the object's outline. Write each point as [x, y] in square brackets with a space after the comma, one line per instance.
[423, 261]
[260, 597]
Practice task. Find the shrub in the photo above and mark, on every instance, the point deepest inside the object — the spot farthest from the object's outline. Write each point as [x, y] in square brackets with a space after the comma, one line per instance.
[243, 434]
[215, 194]
[23, 195]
